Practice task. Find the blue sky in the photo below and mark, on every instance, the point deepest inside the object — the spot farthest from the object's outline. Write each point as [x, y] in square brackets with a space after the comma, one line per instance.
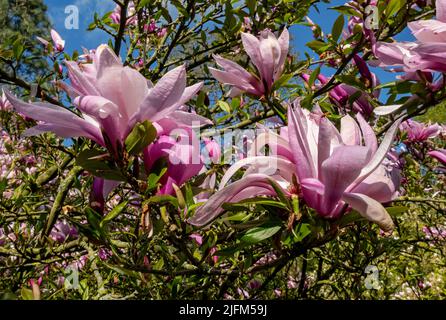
[76, 39]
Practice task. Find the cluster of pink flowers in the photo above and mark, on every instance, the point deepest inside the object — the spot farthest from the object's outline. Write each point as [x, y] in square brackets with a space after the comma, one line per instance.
[15, 160]
[153, 28]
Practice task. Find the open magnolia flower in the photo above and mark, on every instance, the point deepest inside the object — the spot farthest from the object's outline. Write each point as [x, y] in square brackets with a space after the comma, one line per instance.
[419, 132]
[112, 99]
[334, 170]
[267, 53]
[428, 53]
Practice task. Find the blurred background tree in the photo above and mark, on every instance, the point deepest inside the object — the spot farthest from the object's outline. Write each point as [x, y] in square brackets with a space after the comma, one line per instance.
[20, 52]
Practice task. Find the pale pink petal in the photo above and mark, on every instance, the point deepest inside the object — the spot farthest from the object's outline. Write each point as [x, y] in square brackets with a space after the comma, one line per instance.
[370, 209]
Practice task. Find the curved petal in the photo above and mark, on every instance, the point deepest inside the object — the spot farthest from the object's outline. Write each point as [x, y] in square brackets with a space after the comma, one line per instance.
[189, 119]
[379, 155]
[339, 171]
[258, 184]
[233, 68]
[243, 84]
[440, 10]
[382, 185]
[105, 58]
[163, 98]
[263, 164]
[299, 144]
[79, 81]
[106, 113]
[277, 144]
[125, 87]
[368, 134]
[284, 42]
[58, 117]
[252, 48]
[350, 132]
[270, 52]
[440, 155]
[370, 209]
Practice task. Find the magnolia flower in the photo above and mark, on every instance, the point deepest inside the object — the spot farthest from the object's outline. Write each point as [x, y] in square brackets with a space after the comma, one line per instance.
[434, 233]
[62, 231]
[428, 53]
[439, 154]
[419, 132]
[112, 98]
[267, 53]
[181, 147]
[5, 105]
[99, 191]
[213, 150]
[335, 170]
[132, 19]
[58, 42]
[161, 32]
[197, 238]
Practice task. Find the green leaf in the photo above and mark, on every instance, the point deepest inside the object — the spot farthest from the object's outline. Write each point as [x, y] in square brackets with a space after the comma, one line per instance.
[254, 201]
[397, 210]
[318, 46]
[251, 4]
[97, 163]
[143, 3]
[283, 80]
[301, 231]
[17, 48]
[224, 106]
[347, 10]
[313, 76]
[162, 199]
[336, 30]
[154, 178]
[141, 136]
[27, 294]
[113, 214]
[394, 6]
[260, 233]
[93, 218]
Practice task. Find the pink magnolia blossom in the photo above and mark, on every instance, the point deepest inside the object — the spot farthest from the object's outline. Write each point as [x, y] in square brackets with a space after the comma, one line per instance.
[151, 27]
[428, 53]
[419, 132]
[62, 231]
[267, 53]
[58, 42]
[439, 154]
[335, 170]
[161, 32]
[132, 19]
[434, 233]
[180, 146]
[197, 238]
[5, 105]
[213, 150]
[112, 99]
